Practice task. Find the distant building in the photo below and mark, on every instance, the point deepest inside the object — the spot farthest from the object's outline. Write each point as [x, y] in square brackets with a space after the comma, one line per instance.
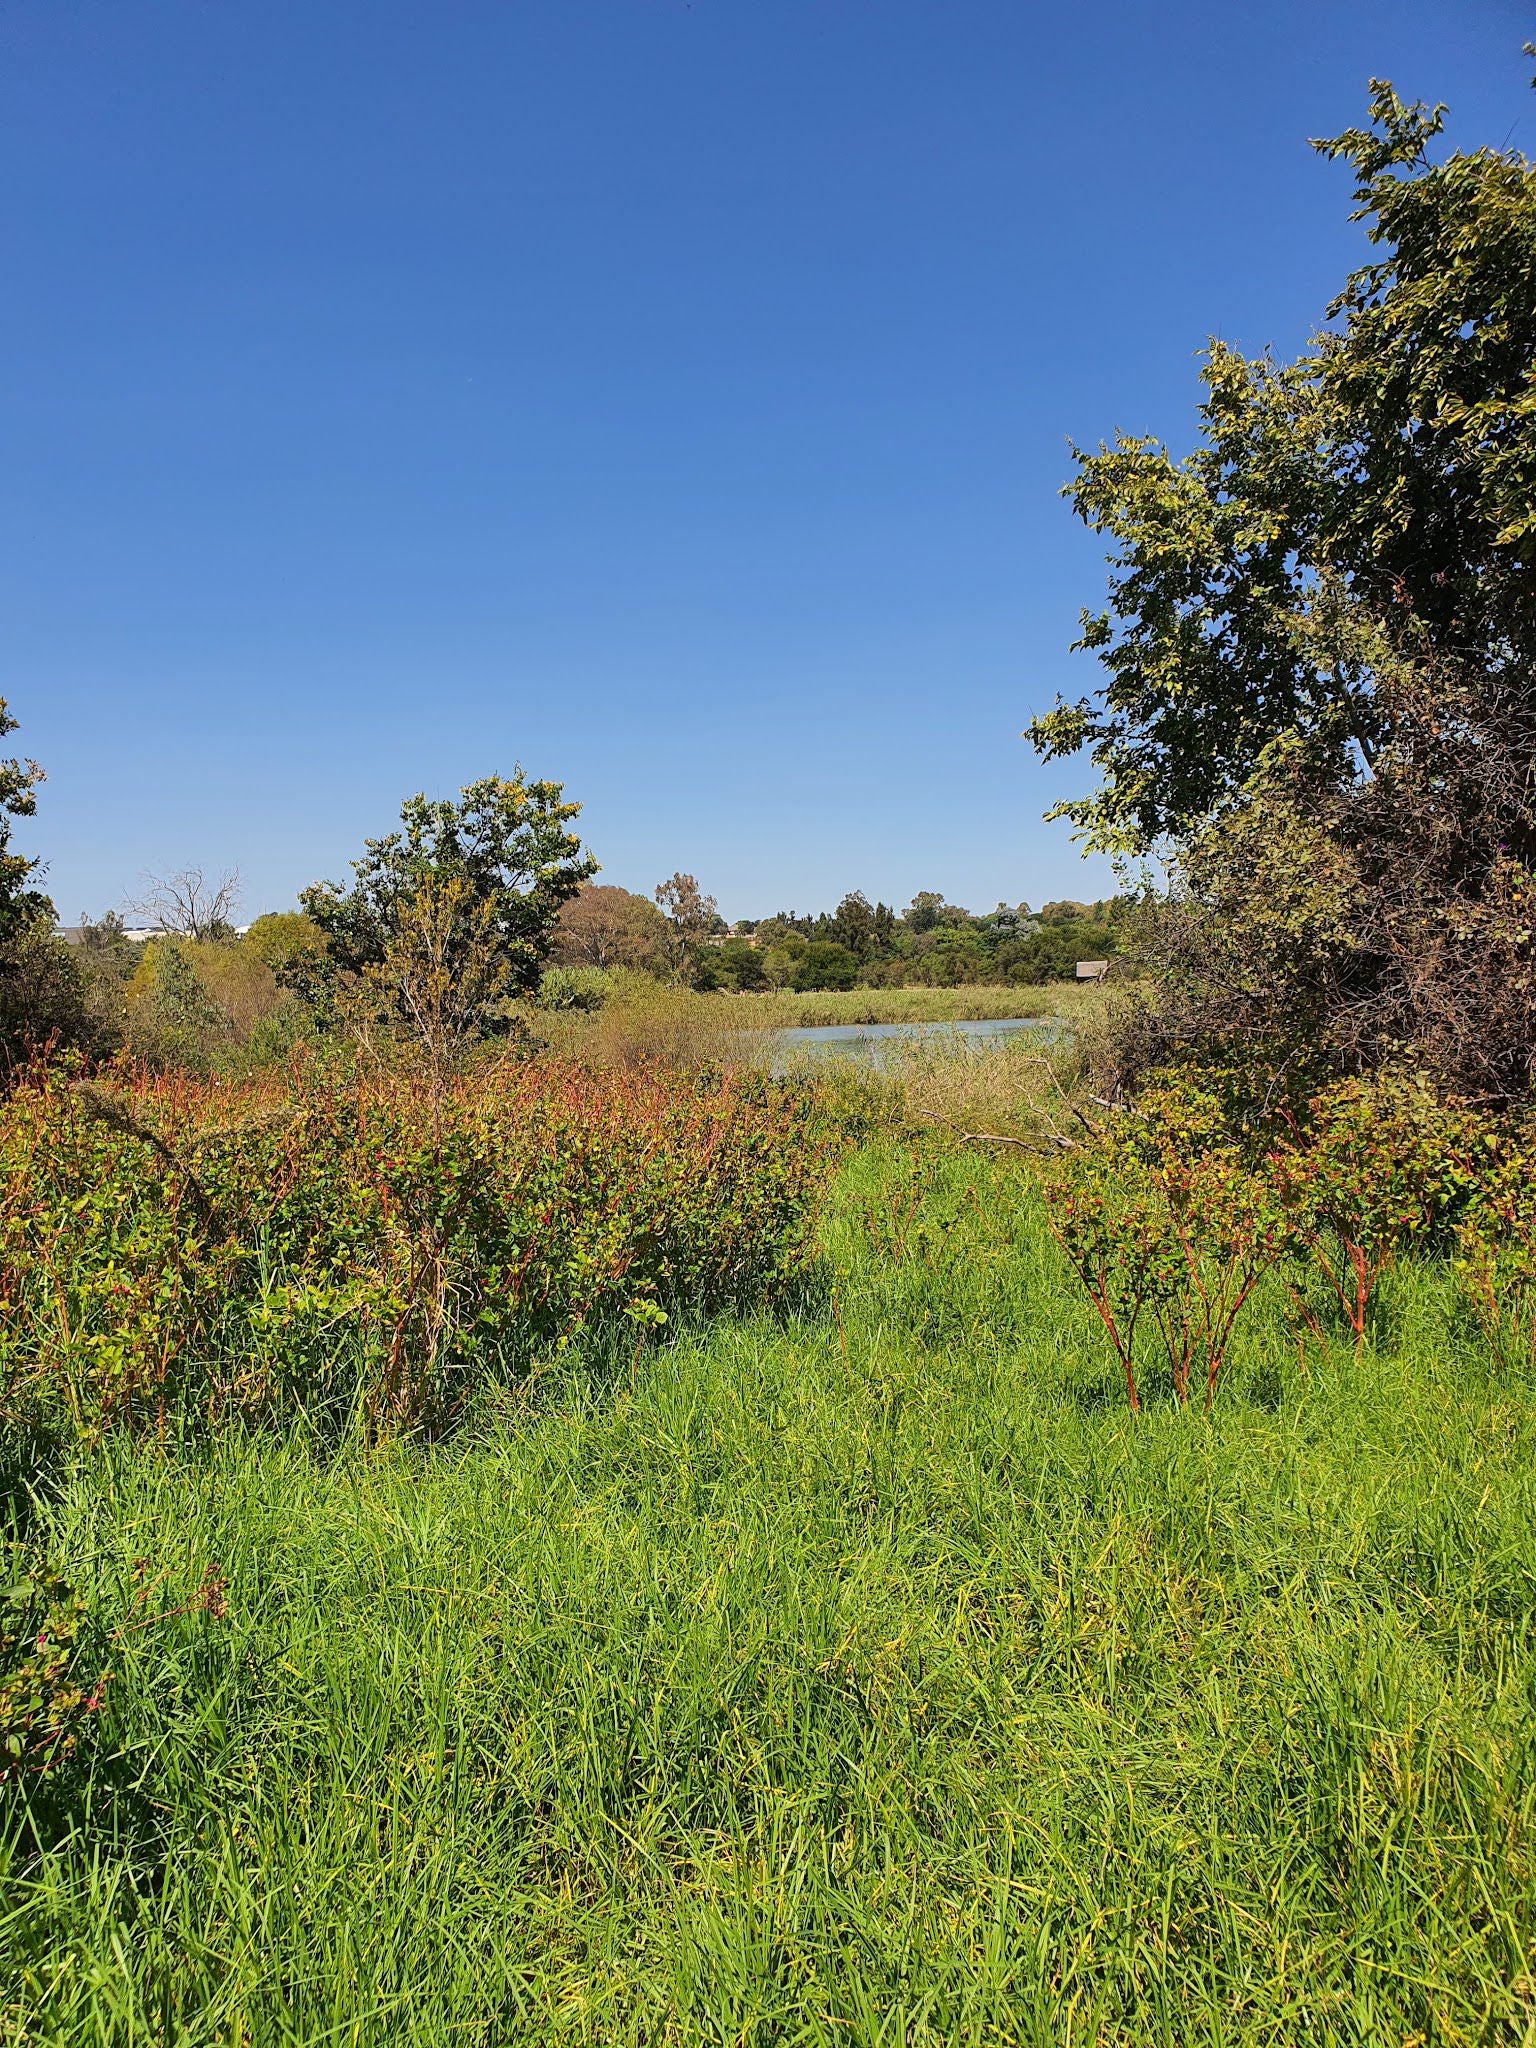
[1092, 970]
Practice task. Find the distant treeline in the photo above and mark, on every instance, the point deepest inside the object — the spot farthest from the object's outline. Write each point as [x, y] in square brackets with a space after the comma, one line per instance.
[931, 943]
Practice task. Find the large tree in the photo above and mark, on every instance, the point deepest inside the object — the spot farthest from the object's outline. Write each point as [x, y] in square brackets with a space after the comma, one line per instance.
[1320, 649]
[191, 904]
[486, 876]
[604, 926]
[692, 919]
[1360, 518]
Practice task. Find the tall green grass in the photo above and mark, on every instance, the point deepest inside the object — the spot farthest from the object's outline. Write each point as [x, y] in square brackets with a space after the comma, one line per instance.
[868, 1676]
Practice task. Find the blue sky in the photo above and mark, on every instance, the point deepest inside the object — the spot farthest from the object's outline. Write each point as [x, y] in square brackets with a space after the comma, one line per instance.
[671, 397]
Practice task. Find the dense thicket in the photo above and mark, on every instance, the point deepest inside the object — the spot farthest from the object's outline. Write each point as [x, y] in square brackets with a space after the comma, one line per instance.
[175, 1252]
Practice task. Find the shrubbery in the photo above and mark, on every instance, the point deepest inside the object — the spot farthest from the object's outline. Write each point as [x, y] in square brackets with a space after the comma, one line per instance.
[51, 1675]
[1173, 1212]
[172, 1250]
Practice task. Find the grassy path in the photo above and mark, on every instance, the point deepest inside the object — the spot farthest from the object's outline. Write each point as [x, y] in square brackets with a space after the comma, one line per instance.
[866, 1679]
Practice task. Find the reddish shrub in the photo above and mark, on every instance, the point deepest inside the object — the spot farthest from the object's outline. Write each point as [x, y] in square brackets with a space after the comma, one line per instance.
[169, 1246]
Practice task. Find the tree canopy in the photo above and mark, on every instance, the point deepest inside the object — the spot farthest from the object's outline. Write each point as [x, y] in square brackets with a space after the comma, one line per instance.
[506, 845]
[1363, 515]
[1320, 650]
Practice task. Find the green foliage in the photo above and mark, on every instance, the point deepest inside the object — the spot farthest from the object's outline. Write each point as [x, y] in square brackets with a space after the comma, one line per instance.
[1358, 513]
[507, 843]
[1319, 649]
[576, 988]
[947, 956]
[175, 1021]
[1052, 952]
[1174, 1212]
[20, 906]
[740, 966]
[283, 939]
[928, 911]
[692, 920]
[609, 928]
[825, 964]
[1169, 1230]
[934, 944]
[1374, 1171]
[204, 1007]
[45, 998]
[866, 929]
[1497, 1241]
[51, 1678]
[175, 1252]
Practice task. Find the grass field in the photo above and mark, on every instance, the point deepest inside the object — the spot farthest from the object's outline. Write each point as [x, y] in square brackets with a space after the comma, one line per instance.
[862, 1678]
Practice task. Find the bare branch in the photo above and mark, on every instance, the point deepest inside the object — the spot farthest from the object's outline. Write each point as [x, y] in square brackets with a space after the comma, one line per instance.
[188, 905]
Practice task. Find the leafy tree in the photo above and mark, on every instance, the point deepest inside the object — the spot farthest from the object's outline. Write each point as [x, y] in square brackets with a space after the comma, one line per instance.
[691, 916]
[781, 957]
[865, 928]
[44, 998]
[826, 965]
[782, 926]
[949, 956]
[741, 966]
[1052, 952]
[281, 938]
[1354, 525]
[509, 847]
[928, 910]
[1321, 656]
[603, 926]
[107, 956]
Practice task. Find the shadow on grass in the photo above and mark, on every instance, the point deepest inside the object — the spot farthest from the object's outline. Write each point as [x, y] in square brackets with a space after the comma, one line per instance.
[96, 1806]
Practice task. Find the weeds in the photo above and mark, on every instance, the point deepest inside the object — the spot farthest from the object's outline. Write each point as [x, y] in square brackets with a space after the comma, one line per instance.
[51, 1683]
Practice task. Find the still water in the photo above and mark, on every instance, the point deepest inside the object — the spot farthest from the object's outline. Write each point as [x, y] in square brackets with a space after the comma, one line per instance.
[870, 1044]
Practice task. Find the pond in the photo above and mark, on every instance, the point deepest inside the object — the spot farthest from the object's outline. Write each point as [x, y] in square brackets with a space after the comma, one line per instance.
[871, 1044]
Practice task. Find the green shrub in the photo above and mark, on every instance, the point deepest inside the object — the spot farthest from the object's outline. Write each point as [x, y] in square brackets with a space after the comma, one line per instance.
[1169, 1229]
[1374, 1166]
[45, 998]
[174, 1249]
[576, 988]
[825, 964]
[1497, 1242]
[50, 1679]
[1172, 1214]
[174, 1020]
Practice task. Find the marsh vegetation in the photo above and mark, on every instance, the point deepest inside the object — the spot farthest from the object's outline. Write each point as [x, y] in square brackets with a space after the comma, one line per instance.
[528, 1525]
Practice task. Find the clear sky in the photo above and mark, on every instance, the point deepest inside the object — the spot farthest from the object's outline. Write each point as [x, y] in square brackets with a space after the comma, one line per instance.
[671, 397]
